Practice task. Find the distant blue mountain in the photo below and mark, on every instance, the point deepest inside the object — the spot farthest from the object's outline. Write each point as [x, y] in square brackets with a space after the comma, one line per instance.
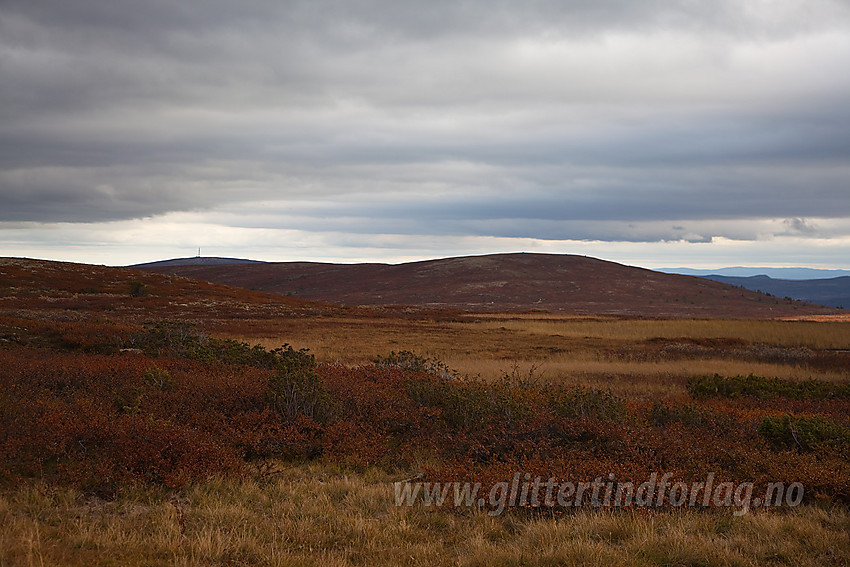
[834, 292]
[776, 273]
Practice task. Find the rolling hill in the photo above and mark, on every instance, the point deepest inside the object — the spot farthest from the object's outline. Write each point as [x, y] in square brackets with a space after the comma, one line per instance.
[197, 261]
[74, 295]
[557, 283]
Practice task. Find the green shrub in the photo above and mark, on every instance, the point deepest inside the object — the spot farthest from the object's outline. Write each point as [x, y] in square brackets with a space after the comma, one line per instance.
[155, 377]
[578, 403]
[296, 388]
[137, 289]
[407, 360]
[174, 338]
[182, 340]
[462, 405]
[688, 415]
[718, 386]
[467, 404]
[300, 391]
[804, 433]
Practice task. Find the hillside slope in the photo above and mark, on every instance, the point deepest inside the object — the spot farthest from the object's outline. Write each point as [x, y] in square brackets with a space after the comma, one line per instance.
[74, 295]
[547, 282]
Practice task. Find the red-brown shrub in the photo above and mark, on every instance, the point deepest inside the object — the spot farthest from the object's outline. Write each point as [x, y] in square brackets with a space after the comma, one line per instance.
[98, 421]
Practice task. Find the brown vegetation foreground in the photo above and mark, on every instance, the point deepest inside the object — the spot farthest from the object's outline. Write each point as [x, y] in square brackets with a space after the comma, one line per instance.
[129, 435]
[319, 515]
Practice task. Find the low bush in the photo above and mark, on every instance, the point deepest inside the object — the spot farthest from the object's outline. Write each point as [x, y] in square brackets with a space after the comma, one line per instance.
[137, 289]
[300, 391]
[576, 403]
[407, 360]
[470, 404]
[662, 414]
[79, 417]
[98, 421]
[702, 387]
[809, 434]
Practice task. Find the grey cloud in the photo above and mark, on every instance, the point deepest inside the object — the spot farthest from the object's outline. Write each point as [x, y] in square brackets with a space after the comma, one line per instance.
[513, 217]
[800, 226]
[436, 18]
[510, 120]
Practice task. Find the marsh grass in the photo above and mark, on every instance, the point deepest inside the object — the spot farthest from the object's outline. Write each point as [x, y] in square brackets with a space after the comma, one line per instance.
[814, 334]
[621, 354]
[324, 515]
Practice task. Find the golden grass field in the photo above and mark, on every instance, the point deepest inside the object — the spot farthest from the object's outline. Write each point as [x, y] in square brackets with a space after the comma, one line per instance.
[323, 516]
[529, 337]
[609, 353]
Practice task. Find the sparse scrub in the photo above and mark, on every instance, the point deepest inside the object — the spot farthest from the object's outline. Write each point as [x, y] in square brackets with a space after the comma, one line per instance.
[100, 408]
[158, 378]
[473, 403]
[815, 433]
[736, 386]
[579, 403]
[663, 414]
[299, 391]
[137, 289]
[407, 360]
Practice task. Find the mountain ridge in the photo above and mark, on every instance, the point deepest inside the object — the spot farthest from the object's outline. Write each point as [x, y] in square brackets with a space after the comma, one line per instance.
[196, 261]
[557, 283]
[796, 273]
[832, 292]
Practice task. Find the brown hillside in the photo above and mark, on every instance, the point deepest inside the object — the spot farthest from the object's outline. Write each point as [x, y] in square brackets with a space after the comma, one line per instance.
[546, 282]
[74, 294]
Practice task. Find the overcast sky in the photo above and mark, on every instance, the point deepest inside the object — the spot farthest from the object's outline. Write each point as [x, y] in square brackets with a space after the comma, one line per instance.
[656, 133]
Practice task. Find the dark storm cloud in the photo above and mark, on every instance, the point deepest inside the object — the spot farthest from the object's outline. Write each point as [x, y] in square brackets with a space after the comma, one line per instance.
[471, 117]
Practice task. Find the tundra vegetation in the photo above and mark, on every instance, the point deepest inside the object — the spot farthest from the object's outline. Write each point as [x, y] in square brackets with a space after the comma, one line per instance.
[200, 424]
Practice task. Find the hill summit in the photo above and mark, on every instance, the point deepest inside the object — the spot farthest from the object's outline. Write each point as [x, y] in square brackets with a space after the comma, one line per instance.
[557, 283]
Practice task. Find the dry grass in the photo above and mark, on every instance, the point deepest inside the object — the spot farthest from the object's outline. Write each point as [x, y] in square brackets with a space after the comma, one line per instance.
[823, 335]
[319, 515]
[352, 340]
[644, 380]
[614, 353]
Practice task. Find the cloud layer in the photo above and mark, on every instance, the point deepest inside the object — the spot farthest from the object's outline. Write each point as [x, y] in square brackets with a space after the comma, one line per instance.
[561, 121]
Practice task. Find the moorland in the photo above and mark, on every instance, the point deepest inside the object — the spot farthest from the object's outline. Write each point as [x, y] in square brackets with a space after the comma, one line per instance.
[148, 418]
